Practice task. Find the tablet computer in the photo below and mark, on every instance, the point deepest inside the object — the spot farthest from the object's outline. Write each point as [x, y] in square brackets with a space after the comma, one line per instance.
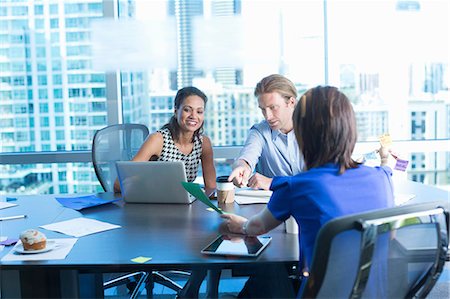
[243, 246]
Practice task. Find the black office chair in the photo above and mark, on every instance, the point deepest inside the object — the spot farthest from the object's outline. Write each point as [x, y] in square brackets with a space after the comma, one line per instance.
[391, 253]
[121, 143]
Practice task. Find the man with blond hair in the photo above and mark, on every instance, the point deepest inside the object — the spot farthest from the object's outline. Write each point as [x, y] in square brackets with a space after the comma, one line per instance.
[271, 148]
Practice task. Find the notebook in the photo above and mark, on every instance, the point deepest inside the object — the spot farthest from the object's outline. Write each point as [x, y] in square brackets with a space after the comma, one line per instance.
[153, 182]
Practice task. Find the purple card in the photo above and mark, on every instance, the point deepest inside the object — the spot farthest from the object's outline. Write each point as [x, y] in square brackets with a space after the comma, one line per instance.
[401, 165]
[9, 242]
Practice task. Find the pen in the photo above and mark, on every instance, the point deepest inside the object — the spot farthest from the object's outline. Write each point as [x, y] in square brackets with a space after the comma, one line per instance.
[395, 157]
[13, 217]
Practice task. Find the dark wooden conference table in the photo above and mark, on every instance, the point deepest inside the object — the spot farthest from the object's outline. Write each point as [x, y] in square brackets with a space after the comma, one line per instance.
[171, 234]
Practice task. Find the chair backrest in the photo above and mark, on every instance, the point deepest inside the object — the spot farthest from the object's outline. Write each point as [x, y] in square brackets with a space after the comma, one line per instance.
[390, 253]
[115, 143]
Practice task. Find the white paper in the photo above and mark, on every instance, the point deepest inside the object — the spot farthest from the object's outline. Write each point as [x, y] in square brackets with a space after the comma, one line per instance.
[62, 249]
[246, 200]
[80, 227]
[249, 196]
[254, 193]
[401, 198]
[4, 205]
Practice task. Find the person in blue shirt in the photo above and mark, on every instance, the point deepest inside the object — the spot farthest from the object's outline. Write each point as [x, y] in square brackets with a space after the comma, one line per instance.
[333, 184]
[271, 148]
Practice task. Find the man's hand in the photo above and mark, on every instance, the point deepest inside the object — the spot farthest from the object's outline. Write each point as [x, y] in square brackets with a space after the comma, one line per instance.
[240, 174]
[258, 181]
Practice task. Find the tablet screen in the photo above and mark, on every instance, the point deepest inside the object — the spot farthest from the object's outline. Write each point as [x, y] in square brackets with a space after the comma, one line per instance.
[242, 246]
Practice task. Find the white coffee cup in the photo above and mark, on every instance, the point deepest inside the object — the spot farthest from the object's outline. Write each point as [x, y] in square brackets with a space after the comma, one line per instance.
[225, 190]
[291, 226]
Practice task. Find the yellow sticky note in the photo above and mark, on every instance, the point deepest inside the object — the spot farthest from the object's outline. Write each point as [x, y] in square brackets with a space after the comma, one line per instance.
[386, 140]
[141, 259]
[212, 210]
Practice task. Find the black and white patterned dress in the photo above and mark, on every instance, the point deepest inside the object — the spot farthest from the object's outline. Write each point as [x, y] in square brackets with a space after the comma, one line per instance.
[170, 152]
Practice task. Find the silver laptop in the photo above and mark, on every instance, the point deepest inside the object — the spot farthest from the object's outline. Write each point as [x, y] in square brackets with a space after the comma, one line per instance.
[153, 182]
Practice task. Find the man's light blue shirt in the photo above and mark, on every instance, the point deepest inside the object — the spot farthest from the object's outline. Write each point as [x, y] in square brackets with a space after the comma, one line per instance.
[272, 153]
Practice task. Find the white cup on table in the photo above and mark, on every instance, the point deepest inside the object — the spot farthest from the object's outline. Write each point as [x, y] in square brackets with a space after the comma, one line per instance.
[291, 226]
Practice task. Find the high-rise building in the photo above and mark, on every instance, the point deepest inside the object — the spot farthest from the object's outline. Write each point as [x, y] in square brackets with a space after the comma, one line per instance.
[50, 97]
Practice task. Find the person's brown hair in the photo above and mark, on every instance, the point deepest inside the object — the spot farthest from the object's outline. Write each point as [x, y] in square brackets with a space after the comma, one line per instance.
[325, 128]
[276, 83]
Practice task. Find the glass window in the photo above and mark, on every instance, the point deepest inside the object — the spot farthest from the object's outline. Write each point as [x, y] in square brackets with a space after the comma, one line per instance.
[40, 38]
[19, 10]
[45, 122]
[3, 11]
[58, 93]
[54, 23]
[41, 66]
[53, 9]
[56, 52]
[40, 52]
[60, 135]
[54, 38]
[16, 39]
[43, 108]
[38, 10]
[57, 79]
[71, 8]
[17, 67]
[45, 135]
[42, 80]
[18, 81]
[43, 94]
[21, 136]
[59, 121]
[39, 23]
[58, 108]
[21, 122]
[19, 24]
[76, 78]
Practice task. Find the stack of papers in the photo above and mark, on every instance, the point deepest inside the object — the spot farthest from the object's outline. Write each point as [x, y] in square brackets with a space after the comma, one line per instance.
[249, 196]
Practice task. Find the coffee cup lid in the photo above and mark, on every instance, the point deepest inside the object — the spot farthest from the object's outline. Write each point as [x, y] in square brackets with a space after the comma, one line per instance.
[222, 179]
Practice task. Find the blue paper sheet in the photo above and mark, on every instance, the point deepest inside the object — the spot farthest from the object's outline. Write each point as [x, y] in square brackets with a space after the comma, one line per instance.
[83, 202]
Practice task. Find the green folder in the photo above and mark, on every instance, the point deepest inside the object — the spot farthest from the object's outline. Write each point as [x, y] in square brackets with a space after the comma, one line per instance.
[198, 193]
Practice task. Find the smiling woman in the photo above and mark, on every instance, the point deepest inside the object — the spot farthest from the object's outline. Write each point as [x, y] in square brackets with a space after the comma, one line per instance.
[182, 139]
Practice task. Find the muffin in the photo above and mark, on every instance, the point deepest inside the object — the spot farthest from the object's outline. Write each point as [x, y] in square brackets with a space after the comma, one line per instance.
[33, 240]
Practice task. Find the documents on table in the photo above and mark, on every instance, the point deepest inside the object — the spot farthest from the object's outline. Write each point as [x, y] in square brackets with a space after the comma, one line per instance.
[83, 202]
[249, 196]
[80, 227]
[4, 205]
[59, 252]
